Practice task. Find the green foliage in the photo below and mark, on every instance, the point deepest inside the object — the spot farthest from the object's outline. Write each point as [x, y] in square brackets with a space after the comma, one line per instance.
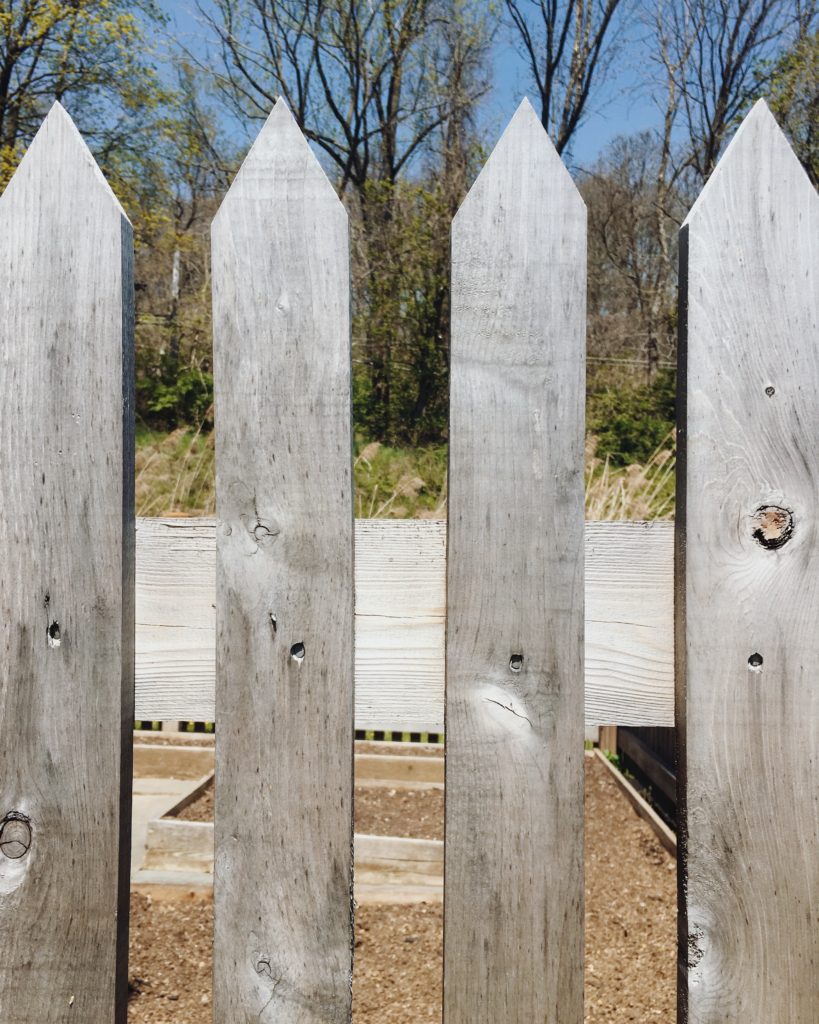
[794, 99]
[94, 57]
[638, 491]
[172, 394]
[174, 473]
[401, 313]
[631, 423]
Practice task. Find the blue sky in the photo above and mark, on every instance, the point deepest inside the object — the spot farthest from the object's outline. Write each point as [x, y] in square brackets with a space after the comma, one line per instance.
[622, 105]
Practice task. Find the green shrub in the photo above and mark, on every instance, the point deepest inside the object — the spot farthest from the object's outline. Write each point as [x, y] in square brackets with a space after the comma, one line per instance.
[172, 394]
[631, 423]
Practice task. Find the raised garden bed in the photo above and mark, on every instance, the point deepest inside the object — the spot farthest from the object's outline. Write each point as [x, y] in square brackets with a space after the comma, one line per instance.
[630, 935]
[399, 825]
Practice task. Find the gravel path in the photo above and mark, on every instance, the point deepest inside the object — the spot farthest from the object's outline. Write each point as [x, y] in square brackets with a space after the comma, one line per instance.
[630, 927]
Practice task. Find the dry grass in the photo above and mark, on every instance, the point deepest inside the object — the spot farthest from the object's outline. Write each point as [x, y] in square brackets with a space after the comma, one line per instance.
[632, 492]
[395, 484]
[175, 476]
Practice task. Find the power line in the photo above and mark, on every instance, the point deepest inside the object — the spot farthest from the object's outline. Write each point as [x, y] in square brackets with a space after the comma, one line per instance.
[632, 362]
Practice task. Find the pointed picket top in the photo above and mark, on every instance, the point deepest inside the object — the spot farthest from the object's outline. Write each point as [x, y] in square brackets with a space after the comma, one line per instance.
[758, 161]
[281, 347]
[57, 150]
[514, 701]
[524, 154]
[66, 479]
[749, 409]
[280, 154]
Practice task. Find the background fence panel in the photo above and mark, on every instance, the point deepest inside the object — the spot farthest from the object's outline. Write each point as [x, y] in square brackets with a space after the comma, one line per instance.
[400, 604]
[748, 608]
[513, 894]
[66, 586]
[284, 652]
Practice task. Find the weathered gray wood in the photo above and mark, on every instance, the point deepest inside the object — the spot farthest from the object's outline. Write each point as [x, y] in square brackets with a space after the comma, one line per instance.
[513, 897]
[748, 614]
[399, 661]
[66, 586]
[174, 845]
[284, 653]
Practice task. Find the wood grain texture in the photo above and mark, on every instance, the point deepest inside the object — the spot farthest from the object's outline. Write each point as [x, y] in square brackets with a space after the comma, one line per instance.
[513, 895]
[284, 584]
[176, 619]
[66, 586]
[748, 614]
[399, 644]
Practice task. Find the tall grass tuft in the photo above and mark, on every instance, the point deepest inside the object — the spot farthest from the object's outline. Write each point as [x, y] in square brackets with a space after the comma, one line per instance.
[175, 473]
[175, 476]
[392, 483]
[631, 492]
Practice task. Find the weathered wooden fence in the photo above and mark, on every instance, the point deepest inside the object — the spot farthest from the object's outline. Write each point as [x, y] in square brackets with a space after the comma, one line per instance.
[251, 620]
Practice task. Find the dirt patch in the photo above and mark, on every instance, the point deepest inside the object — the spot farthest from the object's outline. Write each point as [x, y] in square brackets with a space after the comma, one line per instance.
[379, 810]
[630, 937]
[169, 974]
[631, 911]
[201, 809]
[415, 813]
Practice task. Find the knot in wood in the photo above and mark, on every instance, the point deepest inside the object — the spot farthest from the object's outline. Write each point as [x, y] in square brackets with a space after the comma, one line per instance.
[773, 526]
[263, 966]
[263, 529]
[15, 835]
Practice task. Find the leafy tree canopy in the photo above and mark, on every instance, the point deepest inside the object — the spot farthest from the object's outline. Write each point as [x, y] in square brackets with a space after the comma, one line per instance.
[91, 55]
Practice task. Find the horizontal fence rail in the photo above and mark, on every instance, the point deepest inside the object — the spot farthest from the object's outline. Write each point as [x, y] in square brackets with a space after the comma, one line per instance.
[400, 569]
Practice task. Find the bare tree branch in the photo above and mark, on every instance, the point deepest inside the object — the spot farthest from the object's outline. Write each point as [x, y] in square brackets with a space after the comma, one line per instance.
[568, 46]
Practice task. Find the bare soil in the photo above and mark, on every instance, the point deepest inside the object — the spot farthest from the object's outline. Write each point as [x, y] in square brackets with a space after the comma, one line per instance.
[630, 927]
[201, 809]
[379, 811]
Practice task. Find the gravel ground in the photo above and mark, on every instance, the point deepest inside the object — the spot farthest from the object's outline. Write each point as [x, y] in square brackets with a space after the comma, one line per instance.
[630, 928]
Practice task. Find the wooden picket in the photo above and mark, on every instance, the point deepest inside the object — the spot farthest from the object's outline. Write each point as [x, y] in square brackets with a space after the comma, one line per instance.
[748, 579]
[278, 639]
[66, 586]
[284, 589]
[513, 893]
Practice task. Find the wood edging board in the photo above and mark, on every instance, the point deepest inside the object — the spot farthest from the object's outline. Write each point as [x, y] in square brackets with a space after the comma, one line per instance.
[654, 769]
[640, 805]
[398, 770]
[174, 845]
[182, 886]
